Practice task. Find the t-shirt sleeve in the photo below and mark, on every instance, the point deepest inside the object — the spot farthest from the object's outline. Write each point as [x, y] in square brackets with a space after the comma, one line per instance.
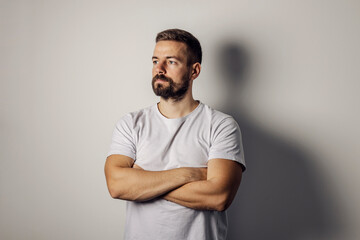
[226, 142]
[122, 139]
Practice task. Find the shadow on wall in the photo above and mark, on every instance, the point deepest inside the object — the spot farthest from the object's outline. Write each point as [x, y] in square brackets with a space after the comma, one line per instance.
[281, 195]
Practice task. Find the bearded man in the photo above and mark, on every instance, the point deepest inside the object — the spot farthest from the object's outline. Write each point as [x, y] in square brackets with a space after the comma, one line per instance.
[179, 162]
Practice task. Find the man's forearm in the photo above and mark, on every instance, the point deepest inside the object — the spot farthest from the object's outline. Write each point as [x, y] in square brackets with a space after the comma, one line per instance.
[140, 185]
[215, 193]
[200, 195]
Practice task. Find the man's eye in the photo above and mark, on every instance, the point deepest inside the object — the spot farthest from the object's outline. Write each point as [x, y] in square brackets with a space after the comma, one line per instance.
[172, 62]
[155, 62]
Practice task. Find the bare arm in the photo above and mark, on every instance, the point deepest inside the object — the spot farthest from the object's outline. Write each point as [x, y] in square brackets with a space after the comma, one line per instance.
[215, 193]
[128, 183]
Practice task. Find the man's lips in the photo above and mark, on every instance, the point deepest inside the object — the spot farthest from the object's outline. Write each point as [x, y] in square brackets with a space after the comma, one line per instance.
[161, 80]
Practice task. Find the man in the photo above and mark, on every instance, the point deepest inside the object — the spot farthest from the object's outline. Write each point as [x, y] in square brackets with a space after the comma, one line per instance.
[178, 163]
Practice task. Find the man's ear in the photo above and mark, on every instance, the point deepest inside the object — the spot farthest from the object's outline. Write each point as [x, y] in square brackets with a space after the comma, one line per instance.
[195, 71]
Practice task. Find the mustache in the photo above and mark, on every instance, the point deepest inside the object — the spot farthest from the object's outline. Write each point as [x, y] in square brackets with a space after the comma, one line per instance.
[161, 77]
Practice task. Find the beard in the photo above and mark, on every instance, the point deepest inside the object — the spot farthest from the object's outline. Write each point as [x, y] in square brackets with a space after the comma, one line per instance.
[174, 91]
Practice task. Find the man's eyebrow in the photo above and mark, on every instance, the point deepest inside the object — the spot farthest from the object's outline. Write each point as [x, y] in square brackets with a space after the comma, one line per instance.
[177, 58]
[173, 57]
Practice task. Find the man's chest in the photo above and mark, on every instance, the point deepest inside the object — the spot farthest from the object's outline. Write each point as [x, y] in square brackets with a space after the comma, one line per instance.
[162, 147]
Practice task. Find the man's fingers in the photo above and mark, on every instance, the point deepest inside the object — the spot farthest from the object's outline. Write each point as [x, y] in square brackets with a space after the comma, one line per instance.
[137, 167]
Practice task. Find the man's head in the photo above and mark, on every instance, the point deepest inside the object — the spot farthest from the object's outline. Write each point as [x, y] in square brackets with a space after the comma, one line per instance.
[176, 63]
[193, 45]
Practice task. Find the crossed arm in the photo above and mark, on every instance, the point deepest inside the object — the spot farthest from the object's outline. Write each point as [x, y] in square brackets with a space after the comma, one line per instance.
[199, 188]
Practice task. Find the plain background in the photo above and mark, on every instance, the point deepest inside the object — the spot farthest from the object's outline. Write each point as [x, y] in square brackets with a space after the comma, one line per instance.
[70, 69]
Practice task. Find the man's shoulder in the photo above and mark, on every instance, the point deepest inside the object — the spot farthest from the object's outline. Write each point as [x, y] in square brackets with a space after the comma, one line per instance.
[217, 116]
[132, 117]
[142, 112]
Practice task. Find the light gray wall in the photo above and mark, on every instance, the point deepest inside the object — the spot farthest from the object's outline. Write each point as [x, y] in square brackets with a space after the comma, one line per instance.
[70, 69]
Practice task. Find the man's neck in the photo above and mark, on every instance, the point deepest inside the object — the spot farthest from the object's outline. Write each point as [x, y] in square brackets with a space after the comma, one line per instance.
[176, 109]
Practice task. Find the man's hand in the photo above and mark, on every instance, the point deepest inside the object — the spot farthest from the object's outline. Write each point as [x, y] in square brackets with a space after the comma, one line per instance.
[214, 193]
[197, 174]
[137, 167]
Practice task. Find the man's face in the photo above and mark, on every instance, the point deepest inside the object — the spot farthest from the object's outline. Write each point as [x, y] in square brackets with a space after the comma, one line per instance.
[171, 73]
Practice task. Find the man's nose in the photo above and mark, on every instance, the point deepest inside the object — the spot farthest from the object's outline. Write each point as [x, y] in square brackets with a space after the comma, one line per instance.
[160, 68]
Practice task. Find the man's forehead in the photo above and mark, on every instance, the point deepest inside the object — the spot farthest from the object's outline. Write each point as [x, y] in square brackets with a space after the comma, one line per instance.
[170, 47]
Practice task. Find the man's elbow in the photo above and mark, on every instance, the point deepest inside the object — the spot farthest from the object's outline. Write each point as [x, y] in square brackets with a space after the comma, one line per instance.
[114, 191]
[117, 192]
[116, 184]
[117, 189]
[114, 195]
[220, 207]
[222, 202]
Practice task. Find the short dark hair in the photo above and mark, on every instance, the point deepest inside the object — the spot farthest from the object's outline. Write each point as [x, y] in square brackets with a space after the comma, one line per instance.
[179, 35]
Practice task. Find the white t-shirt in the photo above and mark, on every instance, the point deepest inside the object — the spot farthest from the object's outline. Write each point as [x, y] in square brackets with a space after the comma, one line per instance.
[157, 143]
